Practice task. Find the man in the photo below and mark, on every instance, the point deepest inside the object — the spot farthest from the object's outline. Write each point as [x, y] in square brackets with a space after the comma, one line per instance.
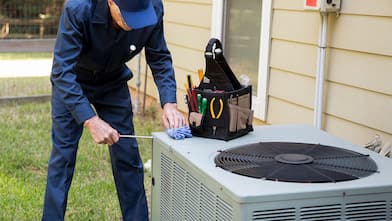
[95, 39]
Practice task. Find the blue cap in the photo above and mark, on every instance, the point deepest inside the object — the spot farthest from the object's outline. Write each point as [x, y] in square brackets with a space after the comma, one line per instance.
[137, 13]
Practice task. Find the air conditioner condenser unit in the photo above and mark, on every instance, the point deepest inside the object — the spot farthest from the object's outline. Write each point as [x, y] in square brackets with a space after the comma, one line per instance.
[286, 172]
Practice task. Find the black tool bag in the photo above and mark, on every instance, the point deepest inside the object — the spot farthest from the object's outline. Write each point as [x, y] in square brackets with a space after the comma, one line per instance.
[226, 113]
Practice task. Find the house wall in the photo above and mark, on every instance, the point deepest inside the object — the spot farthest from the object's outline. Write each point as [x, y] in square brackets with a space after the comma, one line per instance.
[358, 91]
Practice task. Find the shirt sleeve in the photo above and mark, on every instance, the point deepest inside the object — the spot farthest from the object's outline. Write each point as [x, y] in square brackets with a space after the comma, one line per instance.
[67, 49]
[160, 61]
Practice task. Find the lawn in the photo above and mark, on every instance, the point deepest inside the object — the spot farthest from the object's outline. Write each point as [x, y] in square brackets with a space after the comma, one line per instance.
[24, 86]
[25, 55]
[24, 153]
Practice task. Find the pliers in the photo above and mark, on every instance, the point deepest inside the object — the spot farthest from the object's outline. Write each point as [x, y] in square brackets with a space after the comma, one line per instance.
[215, 115]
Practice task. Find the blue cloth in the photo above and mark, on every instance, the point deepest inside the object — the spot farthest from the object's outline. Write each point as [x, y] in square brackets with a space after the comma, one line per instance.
[89, 77]
[179, 133]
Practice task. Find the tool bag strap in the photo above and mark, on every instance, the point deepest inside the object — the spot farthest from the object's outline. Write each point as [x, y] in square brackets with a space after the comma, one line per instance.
[218, 74]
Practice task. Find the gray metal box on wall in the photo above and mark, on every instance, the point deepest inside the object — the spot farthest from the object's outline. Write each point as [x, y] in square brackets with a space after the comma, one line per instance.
[187, 185]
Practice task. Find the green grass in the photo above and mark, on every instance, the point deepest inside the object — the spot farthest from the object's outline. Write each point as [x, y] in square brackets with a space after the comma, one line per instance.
[25, 55]
[25, 147]
[26, 86]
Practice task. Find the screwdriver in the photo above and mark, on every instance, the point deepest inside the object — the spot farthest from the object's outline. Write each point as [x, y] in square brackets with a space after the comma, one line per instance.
[200, 74]
[135, 136]
[203, 106]
[199, 103]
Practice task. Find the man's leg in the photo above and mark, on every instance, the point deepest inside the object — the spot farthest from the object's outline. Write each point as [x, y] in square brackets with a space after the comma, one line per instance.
[65, 137]
[115, 108]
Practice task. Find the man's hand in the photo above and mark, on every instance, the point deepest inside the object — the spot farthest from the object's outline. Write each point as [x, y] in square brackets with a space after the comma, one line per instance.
[171, 117]
[101, 132]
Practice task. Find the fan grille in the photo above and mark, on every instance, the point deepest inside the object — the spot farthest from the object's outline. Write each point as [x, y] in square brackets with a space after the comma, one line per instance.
[296, 162]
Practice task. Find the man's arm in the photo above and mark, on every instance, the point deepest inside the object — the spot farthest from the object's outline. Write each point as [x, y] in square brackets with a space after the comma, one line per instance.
[69, 44]
[160, 61]
[67, 49]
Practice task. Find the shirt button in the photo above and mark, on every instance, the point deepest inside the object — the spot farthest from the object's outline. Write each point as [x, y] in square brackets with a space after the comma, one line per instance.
[132, 48]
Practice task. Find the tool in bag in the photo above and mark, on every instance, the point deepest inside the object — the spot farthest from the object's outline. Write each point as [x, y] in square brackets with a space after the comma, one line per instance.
[220, 107]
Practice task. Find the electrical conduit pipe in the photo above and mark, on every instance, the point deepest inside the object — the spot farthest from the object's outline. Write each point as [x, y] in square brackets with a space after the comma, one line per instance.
[320, 77]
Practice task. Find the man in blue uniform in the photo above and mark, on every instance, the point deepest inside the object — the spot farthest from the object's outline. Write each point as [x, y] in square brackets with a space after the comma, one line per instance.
[89, 78]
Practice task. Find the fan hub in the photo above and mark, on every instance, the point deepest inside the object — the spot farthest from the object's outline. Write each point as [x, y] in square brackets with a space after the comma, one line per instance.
[292, 158]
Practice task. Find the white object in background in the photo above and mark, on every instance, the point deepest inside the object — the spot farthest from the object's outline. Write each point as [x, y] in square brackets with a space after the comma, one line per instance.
[373, 144]
[386, 150]
[147, 165]
[244, 80]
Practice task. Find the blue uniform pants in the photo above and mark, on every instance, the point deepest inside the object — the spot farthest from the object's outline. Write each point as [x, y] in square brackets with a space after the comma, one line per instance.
[112, 103]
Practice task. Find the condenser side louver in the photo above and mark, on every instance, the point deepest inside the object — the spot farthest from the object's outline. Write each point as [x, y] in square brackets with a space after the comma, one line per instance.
[183, 197]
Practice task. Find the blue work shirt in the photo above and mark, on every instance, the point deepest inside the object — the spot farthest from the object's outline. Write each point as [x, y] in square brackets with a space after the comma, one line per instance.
[88, 44]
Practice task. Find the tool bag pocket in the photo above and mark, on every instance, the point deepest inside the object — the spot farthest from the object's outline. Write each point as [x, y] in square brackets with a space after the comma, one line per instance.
[223, 117]
[240, 113]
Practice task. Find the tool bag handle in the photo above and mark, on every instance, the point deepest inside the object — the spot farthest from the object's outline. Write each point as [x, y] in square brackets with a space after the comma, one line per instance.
[212, 44]
[218, 74]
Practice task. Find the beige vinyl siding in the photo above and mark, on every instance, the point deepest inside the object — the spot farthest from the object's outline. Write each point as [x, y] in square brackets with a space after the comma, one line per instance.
[367, 7]
[292, 87]
[353, 68]
[293, 57]
[365, 34]
[186, 36]
[360, 106]
[187, 26]
[360, 134]
[296, 5]
[190, 13]
[299, 26]
[285, 112]
[294, 37]
[360, 71]
[358, 91]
